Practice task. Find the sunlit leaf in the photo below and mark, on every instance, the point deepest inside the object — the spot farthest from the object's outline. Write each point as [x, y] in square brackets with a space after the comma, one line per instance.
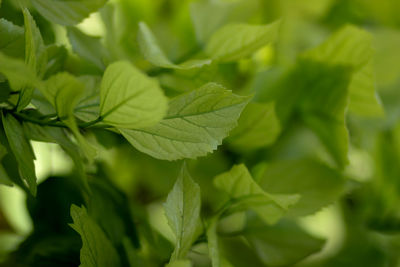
[195, 124]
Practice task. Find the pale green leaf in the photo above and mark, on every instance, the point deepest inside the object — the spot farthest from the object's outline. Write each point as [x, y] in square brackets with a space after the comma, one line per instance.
[97, 250]
[67, 12]
[63, 91]
[257, 127]
[317, 184]
[352, 46]
[195, 124]
[22, 150]
[11, 39]
[88, 47]
[182, 209]
[18, 74]
[152, 52]
[247, 194]
[35, 56]
[130, 99]
[235, 41]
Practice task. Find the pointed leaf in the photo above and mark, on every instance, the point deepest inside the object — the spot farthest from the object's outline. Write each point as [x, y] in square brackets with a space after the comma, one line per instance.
[195, 124]
[35, 56]
[352, 46]
[183, 212]
[97, 250]
[258, 126]
[88, 47]
[67, 12]
[63, 91]
[11, 38]
[130, 99]
[152, 52]
[18, 74]
[235, 41]
[240, 186]
[22, 150]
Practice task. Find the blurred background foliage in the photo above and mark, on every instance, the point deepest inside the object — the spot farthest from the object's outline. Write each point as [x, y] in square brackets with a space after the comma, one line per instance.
[349, 214]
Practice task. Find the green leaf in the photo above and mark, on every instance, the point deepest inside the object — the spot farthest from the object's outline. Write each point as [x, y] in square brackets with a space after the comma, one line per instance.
[11, 39]
[324, 105]
[257, 127]
[364, 100]
[88, 107]
[179, 263]
[35, 56]
[283, 244]
[4, 178]
[60, 137]
[152, 52]
[208, 16]
[19, 74]
[317, 184]
[352, 46]
[57, 56]
[318, 92]
[130, 99]
[21, 149]
[182, 209]
[67, 12]
[235, 41]
[97, 250]
[88, 47]
[247, 194]
[63, 91]
[195, 124]
[212, 238]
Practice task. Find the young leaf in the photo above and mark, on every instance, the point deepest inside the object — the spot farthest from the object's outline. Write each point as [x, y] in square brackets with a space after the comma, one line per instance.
[195, 124]
[152, 52]
[352, 46]
[97, 250]
[130, 99]
[317, 184]
[21, 149]
[63, 91]
[257, 127]
[11, 39]
[235, 41]
[243, 190]
[183, 212]
[88, 47]
[35, 56]
[67, 12]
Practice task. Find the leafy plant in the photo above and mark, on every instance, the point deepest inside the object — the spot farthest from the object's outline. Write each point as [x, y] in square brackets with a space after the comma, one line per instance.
[199, 133]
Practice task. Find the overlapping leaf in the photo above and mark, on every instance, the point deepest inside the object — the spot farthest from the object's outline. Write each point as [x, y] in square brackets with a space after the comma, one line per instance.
[195, 124]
